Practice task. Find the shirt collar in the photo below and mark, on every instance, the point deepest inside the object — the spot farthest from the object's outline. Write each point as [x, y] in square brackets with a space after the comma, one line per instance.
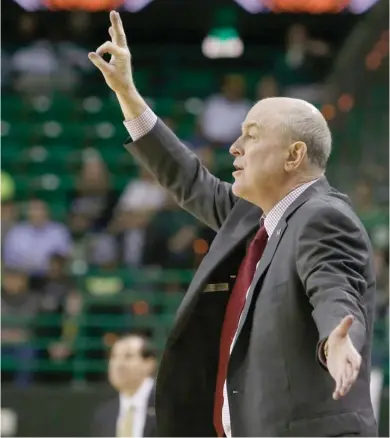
[140, 398]
[272, 219]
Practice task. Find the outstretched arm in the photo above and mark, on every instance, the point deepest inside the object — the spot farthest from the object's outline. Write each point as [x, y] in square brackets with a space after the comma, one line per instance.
[332, 255]
[175, 167]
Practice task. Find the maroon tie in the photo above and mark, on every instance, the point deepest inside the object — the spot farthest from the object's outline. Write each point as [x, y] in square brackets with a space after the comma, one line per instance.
[232, 316]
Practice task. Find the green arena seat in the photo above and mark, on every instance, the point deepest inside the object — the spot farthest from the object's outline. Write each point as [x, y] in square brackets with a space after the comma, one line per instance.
[95, 109]
[54, 107]
[166, 107]
[187, 83]
[142, 79]
[13, 107]
[52, 132]
[19, 131]
[44, 159]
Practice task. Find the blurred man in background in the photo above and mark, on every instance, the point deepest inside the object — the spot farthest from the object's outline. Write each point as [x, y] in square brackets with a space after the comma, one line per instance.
[30, 245]
[19, 308]
[131, 414]
[224, 112]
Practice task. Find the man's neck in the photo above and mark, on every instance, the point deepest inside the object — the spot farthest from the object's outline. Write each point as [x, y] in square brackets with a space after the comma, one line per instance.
[131, 391]
[284, 190]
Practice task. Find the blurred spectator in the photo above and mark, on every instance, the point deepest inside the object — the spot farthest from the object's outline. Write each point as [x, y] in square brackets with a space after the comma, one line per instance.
[28, 28]
[62, 333]
[47, 64]
[176, 231]
[57, 284]
[5, 68]
[142, 193]
[201, 147]
[9, 217]
[92, 203]
[303, 65]
[375, 219]
[19, 308]
[139, 202]
[29, 245]
[71, 49]
[36, 62]
[224, 113]
[130, 371]
[103, 251]
[104, 280]
[139, 244]
[79, 25]
[105, 289]
[267, 87]
[379, 357]
[300, 48]
[63, 347]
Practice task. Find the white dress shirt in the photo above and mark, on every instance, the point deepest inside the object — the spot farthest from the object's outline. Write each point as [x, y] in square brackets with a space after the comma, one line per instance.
[139, 127]
[139, 402]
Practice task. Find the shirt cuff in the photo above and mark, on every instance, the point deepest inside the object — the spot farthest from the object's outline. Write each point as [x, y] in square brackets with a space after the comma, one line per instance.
[142, 125]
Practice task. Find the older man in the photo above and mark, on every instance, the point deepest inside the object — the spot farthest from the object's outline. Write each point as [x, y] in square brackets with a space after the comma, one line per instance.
[273, 337]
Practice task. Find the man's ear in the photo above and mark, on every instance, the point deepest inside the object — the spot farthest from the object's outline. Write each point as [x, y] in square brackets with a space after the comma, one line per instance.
[295, 155]
[151, 365]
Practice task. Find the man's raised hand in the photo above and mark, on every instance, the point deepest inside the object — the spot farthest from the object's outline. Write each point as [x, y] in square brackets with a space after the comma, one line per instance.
[117, 72]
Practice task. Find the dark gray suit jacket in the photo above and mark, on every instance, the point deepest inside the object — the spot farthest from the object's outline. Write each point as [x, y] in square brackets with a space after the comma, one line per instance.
[316, 269]
[106, 415]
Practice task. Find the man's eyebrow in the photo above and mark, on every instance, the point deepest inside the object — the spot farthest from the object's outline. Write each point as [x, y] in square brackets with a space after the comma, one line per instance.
[246, 125]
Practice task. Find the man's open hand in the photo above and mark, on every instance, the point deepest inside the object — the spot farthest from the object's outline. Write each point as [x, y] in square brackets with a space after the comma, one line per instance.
[117, 72]
[343, 360]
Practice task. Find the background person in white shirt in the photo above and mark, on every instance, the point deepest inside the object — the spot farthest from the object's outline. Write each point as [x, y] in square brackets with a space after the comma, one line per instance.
[130, 414]
[223, 114]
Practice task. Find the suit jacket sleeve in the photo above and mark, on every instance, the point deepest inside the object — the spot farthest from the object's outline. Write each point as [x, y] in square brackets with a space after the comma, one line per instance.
[180, 171]
[332, 254]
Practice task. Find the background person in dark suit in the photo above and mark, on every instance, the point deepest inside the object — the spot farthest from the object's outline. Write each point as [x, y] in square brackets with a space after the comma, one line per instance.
[131, 413]
[273, 337]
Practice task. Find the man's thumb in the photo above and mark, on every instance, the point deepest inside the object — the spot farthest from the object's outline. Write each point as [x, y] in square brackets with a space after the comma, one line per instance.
[345, 325]
[99, 62]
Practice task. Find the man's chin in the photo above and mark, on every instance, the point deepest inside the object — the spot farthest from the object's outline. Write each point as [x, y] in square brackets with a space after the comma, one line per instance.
[237, 189]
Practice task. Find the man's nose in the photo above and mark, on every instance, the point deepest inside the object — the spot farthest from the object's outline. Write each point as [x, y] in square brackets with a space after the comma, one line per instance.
[235, 149]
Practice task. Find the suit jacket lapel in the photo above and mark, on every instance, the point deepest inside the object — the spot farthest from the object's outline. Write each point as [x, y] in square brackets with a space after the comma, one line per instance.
[112, 418]
[221, 249]
[150, 420]
[320, 186]
[150, 423]
[262, 269]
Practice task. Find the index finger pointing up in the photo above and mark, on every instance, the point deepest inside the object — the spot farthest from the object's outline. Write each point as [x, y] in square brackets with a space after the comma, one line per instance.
[119, 37]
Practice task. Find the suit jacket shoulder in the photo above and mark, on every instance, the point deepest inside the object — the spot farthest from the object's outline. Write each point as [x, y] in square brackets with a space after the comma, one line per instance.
[104, 418]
